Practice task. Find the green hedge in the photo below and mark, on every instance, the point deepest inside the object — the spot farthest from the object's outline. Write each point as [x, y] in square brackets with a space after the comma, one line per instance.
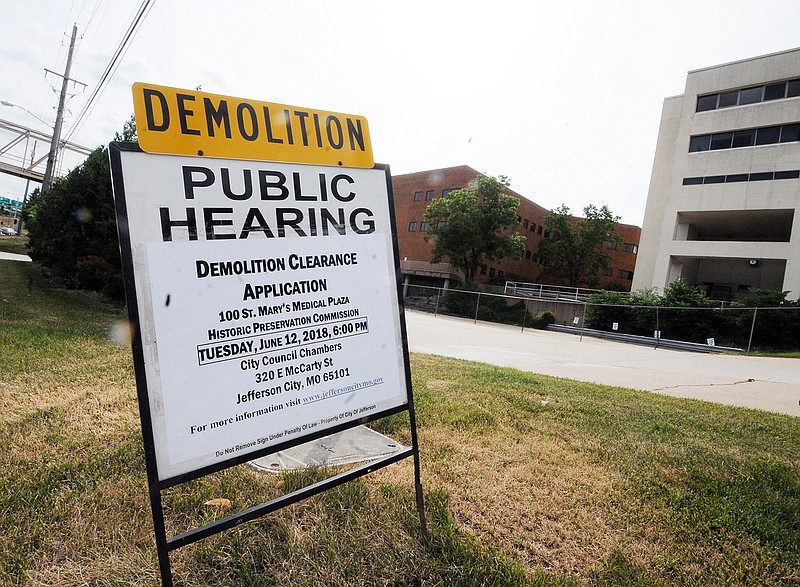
[685, 313]
[463, 302]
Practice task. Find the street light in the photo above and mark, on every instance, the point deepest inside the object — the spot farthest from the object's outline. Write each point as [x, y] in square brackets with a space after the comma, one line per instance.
[10, 104]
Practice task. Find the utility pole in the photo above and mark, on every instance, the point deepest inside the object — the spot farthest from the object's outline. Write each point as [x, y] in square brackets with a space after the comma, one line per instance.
[25, 197]
[55, 143]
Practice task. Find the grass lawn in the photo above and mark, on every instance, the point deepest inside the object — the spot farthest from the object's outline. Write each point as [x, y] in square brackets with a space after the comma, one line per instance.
[529, 480]
[14, 244]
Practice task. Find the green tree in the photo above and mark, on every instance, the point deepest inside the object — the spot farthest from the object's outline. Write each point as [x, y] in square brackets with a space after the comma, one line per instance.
[72, 226]
[574, 250]
[128, 131]
[472, 225]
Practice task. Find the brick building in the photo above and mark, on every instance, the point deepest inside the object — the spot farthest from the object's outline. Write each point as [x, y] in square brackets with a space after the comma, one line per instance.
[414, 191]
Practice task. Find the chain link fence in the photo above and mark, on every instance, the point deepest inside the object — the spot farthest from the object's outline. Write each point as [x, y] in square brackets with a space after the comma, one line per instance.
[722, 328]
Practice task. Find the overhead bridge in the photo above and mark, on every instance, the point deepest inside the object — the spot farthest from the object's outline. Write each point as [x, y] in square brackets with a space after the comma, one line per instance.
[13, 154]
[21, 172]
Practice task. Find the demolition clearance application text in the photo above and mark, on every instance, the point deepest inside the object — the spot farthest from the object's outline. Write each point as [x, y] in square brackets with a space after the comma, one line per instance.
[270, 305]
[265, 349]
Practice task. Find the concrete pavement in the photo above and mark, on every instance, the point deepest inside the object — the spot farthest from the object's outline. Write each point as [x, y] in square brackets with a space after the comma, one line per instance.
[771, 384]
[13, 257]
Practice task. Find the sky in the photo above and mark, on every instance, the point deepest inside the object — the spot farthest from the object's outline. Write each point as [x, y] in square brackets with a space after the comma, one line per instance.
[564, 98]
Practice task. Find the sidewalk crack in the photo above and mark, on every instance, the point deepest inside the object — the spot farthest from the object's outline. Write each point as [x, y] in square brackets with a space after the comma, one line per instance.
[705, 385]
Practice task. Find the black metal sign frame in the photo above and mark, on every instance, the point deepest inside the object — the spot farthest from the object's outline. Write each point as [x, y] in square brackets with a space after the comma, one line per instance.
[165, 544]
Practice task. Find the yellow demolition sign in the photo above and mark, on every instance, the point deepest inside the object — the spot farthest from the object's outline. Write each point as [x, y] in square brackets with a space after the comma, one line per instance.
[187, 122]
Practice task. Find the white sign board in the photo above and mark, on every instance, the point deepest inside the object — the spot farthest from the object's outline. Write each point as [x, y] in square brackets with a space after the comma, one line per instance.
[267, 300]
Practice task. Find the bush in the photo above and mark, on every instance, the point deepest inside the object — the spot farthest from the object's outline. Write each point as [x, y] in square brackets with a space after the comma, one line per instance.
[97, 274]
[73, 231]
[685, 313]
[606, 308]
[774, 329]
[460, 302]
[543, 320]
[464, 302]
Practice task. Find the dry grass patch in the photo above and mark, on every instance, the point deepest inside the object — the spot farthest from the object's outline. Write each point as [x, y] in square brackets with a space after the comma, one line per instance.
[611, 486]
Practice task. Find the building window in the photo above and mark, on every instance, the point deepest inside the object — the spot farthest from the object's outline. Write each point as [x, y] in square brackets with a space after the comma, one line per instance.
[533, 227]
[417, 196]
[727, 99]
[611, 245]
[721, 140]
[546, 234]
[630, 248]
[525, 223]
[734, 178]
[751, 95]
[412, 227]
[705, 103]
[608, 271]
[623, 274]
[539, 230]
[528, 254]
[483, 269]
[446, 192]
[741, 177]
[699, 143]
[744, 138]
[423, 226]
[775, 92]
[429, 195]
[766, 135]
[790, 133]
[440, 223]
[492, 272]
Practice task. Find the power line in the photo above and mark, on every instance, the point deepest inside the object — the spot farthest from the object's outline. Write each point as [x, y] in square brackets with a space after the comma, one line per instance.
[112, 65]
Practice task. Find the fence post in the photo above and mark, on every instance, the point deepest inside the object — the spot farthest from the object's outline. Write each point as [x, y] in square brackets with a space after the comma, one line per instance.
[478, 305]
[658, 331]
[752, 327]
[583, 322]
[436, 309]
[524, 315]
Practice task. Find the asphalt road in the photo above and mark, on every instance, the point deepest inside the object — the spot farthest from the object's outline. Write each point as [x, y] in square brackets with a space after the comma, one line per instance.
[763, 383]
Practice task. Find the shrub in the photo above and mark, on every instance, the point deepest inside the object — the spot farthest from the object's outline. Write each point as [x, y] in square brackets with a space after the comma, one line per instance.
[73, 231]
[685, 313]
[543, 320]
[464, 302]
